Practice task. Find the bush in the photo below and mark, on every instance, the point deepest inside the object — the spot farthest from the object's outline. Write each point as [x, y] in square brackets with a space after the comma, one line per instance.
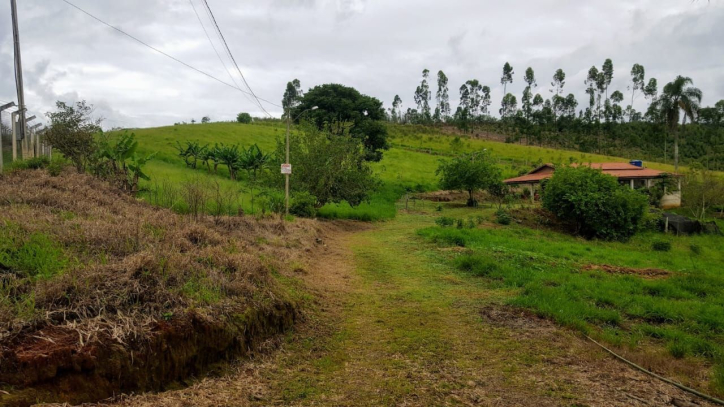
[273, 202]
[304, 205]
[56, 166]
[29, 164]
[459, 223]
[595, 203]
[502, 217]
[444, 221]
[243, 118]
[661, 246]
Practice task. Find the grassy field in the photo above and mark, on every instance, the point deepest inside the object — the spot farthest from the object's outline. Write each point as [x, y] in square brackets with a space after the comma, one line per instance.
[408, 166]
[626, 294]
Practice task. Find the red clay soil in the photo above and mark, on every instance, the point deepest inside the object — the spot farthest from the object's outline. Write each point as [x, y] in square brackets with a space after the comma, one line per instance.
[53, 364]
[644, 273]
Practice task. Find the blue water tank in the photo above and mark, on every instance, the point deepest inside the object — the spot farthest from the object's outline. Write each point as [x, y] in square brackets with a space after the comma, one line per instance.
[637, 163]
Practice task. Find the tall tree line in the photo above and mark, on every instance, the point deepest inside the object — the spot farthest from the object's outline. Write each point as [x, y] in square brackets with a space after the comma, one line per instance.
[606, 124]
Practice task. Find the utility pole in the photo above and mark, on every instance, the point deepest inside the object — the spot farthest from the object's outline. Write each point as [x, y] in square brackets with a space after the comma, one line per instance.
[18, 69]
[287, 167]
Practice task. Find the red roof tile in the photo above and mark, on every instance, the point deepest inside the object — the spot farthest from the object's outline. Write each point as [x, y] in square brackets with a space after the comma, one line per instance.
[618, 170]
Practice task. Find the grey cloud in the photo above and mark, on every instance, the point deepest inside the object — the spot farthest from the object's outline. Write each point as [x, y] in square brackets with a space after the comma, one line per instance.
[379, 47]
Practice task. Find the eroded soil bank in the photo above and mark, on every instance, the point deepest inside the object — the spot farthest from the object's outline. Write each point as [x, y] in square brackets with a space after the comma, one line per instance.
[101, 294]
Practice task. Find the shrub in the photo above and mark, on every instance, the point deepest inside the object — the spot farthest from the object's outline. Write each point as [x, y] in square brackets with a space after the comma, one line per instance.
[56, 166]
[438, 208]
[502, 217]
[273, 202]
[595, 203]
[243, 118]
[459, 223]
[444, 221]
[304, 205]
[29, 164]
[661, 246]
[72, 132]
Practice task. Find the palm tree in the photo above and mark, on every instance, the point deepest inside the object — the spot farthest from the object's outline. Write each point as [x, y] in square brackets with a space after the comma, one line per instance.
[678, 96]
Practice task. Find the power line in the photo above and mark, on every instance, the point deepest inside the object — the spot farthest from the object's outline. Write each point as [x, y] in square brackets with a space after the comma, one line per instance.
[211, 42]
[232, 56]
[169, 56]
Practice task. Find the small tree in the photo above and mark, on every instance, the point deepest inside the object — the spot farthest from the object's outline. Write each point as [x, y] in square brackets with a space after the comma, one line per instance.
[469, 172]
[702, 190]
[205, 119]
[72, 132]
[594, 203]
[243, 118]
[329, 164]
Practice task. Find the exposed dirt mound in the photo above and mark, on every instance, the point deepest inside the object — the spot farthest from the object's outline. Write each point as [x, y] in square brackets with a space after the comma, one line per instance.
[101, 293]
[515, 318]
[645, 273]
[447, 196]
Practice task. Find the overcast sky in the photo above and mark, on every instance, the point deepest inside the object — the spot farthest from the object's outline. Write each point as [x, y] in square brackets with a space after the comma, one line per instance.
[379, 47]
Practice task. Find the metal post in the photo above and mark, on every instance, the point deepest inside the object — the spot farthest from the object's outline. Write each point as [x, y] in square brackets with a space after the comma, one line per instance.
[18, 68]
[13, 122]
[286, 176]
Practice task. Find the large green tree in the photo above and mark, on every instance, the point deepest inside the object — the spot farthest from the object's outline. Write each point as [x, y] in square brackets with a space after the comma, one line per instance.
[339, 103]
[677, 97]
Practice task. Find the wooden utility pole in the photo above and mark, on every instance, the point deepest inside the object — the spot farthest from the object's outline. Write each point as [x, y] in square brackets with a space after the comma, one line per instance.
[18, 69]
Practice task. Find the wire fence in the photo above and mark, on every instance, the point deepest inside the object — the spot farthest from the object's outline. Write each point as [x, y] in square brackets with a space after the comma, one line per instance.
[13, 148]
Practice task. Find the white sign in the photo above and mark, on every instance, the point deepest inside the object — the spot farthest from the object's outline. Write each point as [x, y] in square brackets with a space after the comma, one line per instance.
[286, 168]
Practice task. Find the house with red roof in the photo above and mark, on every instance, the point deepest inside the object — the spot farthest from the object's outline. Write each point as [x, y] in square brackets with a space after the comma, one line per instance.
[633, 174]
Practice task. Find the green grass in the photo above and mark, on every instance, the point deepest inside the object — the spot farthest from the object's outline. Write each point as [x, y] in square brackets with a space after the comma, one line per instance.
[684, 312]
[33, 255]
[403, 168]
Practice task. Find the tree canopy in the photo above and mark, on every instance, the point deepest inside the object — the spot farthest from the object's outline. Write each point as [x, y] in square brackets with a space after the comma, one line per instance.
[339, 103]
[469, 172]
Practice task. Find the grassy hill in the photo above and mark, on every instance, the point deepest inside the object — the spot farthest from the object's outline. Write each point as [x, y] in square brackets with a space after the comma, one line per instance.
[410, 164]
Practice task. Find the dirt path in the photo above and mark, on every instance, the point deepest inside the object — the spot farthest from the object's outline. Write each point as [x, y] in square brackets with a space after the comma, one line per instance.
[392, 325]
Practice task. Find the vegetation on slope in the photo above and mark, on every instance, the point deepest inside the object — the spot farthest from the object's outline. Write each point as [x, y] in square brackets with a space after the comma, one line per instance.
[90, 276]
[628, 294]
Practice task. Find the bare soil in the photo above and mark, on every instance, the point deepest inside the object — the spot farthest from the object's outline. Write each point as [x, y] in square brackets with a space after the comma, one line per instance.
[650, 273]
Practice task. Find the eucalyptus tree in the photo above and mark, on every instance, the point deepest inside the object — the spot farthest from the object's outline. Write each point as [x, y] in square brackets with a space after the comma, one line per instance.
[526, 100]
[292, 96]
[509, 106]
[485, 101]
[397, 109]
[677, 97]
[615, 111]
[638, 75]
[422, 96]
[607, 72]
[507, 77]
[474, 90]
[592, 81]
[559, 80]
[443, 99]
